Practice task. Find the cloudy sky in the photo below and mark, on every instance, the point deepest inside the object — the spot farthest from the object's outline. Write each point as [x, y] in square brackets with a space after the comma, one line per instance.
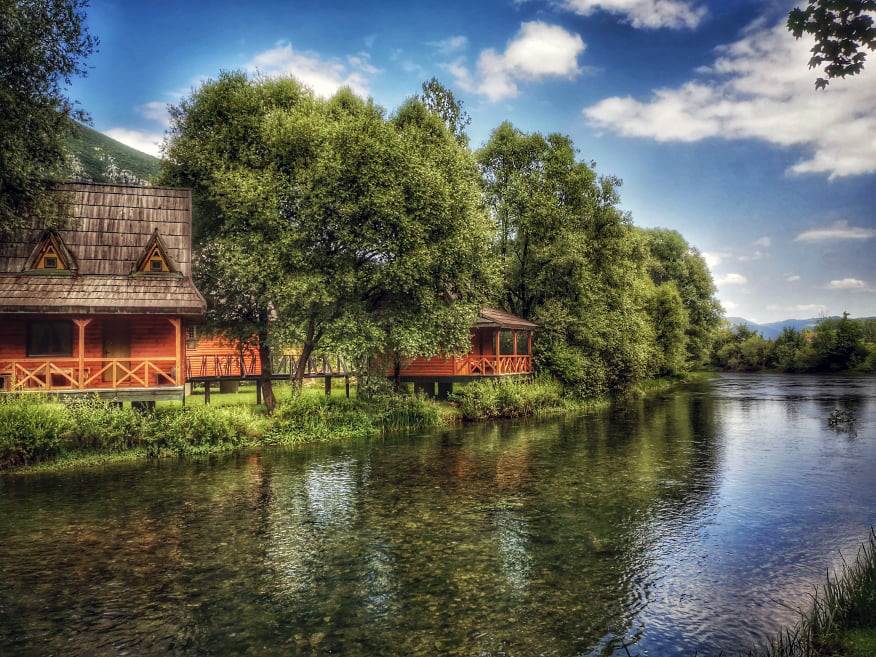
[706, 110]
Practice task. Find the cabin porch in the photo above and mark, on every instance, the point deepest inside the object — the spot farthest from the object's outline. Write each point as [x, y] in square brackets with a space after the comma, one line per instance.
[138, 355]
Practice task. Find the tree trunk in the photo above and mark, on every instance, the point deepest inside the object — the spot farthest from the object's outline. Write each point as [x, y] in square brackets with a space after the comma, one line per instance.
[301, 367]
[396, 374]
[265, 382]
[307, 347]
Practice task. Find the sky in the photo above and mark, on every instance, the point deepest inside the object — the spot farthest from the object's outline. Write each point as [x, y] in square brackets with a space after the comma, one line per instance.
[706, 110]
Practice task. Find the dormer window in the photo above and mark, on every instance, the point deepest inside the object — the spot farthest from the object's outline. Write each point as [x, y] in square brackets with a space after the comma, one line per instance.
[50, 254]
[155, 259]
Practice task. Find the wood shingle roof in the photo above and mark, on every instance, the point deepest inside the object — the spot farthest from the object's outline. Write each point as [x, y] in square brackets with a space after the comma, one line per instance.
[106, 228]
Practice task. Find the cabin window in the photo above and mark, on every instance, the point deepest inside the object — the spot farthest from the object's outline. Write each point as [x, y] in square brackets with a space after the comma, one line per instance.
[523, 343]
[155, 265]
[506, 343]
[50, 338]
[50, 262]
[191, 337]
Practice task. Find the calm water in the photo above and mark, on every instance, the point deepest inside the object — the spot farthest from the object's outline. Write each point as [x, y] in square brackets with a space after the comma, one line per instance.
[693, 520]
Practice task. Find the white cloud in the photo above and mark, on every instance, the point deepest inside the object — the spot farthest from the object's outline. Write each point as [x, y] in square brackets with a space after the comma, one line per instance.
[792, 278]
[757, 255]
[730, 305]
[839, 230]
[155, 110]
[713, 258]
[323, 76]
[649, 14]
[147, 142]
[847, 284]
[812, 309]
[450, 45]
[537, 51]
[731, 279]
[765, 242]
[759, 87]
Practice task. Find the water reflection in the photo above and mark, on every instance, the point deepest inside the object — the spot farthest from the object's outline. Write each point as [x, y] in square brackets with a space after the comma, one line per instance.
[675, 523]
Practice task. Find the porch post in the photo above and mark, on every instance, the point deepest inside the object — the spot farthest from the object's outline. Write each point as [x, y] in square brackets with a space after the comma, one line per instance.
[515, 342]
[80, 326]
[178, 339]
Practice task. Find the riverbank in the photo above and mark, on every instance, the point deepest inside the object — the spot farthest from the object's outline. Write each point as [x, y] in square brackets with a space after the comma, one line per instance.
[40, 435]
[842, 619]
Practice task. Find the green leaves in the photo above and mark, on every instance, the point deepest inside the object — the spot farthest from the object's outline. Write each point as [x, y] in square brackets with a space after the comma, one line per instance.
[326, 217]
[842, 30]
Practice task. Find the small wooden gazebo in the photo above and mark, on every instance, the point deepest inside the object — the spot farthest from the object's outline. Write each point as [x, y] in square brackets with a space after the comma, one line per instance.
[501, 345]
[99, 303]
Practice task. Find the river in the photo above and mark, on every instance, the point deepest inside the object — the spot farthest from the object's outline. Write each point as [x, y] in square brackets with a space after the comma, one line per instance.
[694, 520]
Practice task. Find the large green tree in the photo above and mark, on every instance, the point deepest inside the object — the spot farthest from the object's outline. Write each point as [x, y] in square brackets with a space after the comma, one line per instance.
[371, 228]
[571, 259]
[43, 45]
[673, 260]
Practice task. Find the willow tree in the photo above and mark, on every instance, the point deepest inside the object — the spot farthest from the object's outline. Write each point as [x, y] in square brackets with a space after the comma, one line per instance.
[672, 260]
[371, 226]
[572, 260]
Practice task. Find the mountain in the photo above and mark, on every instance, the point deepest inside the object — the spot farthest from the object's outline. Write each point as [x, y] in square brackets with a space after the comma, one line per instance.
[772, 330]
[97, 158]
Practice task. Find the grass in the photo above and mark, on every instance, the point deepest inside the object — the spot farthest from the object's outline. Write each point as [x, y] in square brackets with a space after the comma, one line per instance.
[842, 619]
[38, 434]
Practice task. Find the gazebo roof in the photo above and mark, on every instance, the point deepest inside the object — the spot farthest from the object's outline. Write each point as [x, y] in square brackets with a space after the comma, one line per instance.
[493, 318]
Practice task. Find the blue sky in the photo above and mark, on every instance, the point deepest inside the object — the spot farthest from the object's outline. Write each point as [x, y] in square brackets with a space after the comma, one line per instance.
[706, 110]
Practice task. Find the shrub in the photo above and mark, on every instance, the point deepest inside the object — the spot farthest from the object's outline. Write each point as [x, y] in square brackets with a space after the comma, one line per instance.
[320, 418]
[197, 429]
[100, 424]
[31, 429]
[404, 412]
[509, 398]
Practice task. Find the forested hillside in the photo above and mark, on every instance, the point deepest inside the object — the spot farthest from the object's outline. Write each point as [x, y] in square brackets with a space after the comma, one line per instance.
[97, 158]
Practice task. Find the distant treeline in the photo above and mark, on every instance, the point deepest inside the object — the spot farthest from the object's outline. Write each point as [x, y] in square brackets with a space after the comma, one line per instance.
[833, 345]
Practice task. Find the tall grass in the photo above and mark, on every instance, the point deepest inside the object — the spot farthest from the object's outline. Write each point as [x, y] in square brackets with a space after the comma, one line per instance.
[847, 600]
[508, 398]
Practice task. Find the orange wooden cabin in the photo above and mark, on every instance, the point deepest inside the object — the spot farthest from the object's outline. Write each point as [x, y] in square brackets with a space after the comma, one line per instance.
[100, 304]
[216, 357]
[501, 345]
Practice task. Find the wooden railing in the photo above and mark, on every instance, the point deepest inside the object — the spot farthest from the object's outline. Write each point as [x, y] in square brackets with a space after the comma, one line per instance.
[30, 374]
[232, 365]
[493, 365]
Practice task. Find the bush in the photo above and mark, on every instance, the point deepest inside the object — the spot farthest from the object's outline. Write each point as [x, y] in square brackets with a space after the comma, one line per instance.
[320, 418]
[198, 429]
[102, 425]
[509, 398]
[31, 429]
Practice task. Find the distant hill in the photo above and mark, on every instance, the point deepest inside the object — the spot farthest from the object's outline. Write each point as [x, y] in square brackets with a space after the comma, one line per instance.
[98, 158]
[774, 329]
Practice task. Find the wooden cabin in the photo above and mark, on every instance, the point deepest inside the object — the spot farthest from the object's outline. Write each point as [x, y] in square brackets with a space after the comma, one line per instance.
[101, 303]
[210, 356]
[501, 345]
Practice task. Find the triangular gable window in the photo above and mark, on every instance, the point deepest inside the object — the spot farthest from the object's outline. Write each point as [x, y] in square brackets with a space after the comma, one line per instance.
[155, 259]
[50, 254]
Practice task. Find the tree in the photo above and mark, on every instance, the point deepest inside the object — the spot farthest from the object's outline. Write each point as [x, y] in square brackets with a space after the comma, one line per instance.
[348, 231]
[672, 259]
[43, 45]
[842, 30]
[441, 101]
[670, 326]
[571, 260]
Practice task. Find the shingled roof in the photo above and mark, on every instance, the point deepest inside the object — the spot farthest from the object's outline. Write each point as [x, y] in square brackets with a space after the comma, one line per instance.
[106, 229]
[490, 317]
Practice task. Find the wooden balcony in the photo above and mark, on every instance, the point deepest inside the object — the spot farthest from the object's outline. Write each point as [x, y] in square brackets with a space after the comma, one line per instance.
[59, 374]
[492, 365]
